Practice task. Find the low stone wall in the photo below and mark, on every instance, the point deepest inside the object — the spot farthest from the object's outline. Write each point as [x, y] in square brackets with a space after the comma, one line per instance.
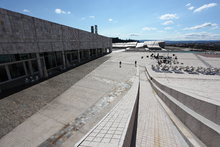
[199, 116]
[130, 137]
[209, 110]
[118, 127]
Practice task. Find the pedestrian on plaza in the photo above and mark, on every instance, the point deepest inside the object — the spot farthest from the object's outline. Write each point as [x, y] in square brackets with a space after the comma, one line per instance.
[120, 64]
[135, 62]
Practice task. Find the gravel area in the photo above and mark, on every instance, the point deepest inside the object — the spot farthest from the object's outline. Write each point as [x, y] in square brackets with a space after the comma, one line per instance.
[16, 108]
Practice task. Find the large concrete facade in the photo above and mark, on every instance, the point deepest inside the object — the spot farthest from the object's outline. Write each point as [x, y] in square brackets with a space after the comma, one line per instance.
[34, 47]
[24, 34]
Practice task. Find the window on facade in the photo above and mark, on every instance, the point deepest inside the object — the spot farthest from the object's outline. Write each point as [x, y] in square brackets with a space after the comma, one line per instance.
[50, 60]
[16, 70]
[59, 58]
[15, 57]
[4, 58]
[34, 65]
[3, 74]
[23, 56]
[68, 57]
[32, 56]
[28, 68]
[75, 55]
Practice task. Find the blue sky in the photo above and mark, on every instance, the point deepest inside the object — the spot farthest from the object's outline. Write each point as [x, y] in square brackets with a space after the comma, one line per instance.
[135, 19]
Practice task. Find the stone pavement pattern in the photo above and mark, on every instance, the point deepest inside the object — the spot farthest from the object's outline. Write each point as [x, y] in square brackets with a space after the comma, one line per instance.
[208, 89]
[102, 82]
[111, 130]
[154, 126]
[17, 107]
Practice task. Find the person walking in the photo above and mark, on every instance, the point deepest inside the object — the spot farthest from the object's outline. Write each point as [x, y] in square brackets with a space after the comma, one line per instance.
[120, 64]
[135, 62]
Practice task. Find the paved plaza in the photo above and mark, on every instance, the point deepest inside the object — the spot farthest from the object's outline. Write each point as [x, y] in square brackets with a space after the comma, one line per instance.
[97, 100]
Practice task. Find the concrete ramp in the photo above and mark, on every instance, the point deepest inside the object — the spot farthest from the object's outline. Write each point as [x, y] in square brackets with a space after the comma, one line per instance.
[116, 128]
[154, 125]
[85, 102]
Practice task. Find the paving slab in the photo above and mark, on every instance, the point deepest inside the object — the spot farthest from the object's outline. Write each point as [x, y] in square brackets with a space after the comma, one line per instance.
[84, 99]
[204, 87]
[154, 126]
[19, 106]
[112, 129]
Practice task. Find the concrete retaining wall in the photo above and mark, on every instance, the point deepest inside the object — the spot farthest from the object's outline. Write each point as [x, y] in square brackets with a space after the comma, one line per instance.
[130, 138]
[24, 34]
[187, 109]
[209, 110]
[124, 116]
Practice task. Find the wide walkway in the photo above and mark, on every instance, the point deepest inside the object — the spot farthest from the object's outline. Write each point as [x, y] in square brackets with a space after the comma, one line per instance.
[76, 110]
[70, 115]
[154, 125]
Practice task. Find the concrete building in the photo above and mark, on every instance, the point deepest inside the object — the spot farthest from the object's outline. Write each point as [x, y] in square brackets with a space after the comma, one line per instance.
[154, 45]
[33, 49]
[124, 45]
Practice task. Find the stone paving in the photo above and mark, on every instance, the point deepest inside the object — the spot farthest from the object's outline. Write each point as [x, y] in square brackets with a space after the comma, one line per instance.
[204, 87]
[104, 86]
[154, 126]
[16, 108]
[111, 130]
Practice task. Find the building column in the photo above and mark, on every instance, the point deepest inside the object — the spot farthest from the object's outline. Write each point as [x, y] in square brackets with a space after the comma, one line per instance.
[30, 67]
[8, 72]
[78, 55]
[110, 49]
[89, 54]
[71, 58]
[40, 68]
[64, 61]
[25, 68]
[44, 68]
[96, 52]
[82, 54]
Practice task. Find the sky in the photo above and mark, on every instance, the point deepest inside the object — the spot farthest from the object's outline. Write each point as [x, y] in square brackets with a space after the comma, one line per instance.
[130, 19]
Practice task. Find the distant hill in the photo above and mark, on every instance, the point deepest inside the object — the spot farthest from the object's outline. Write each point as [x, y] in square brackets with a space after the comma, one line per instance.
[118, 40]
[203, 45]
[186, 41]
[195, 44]
[197, 41]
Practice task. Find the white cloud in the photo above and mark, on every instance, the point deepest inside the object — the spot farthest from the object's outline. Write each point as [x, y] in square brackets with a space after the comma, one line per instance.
[26, 10]
[191, 8]
[92, 17]
[204, 25]
[168, 16]
[201, 36]
[189, 4]
[168, 28]
[149, 29]
[206, 6]
[215, 27]
[167, 22]
[110, 19]
[60, 11]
